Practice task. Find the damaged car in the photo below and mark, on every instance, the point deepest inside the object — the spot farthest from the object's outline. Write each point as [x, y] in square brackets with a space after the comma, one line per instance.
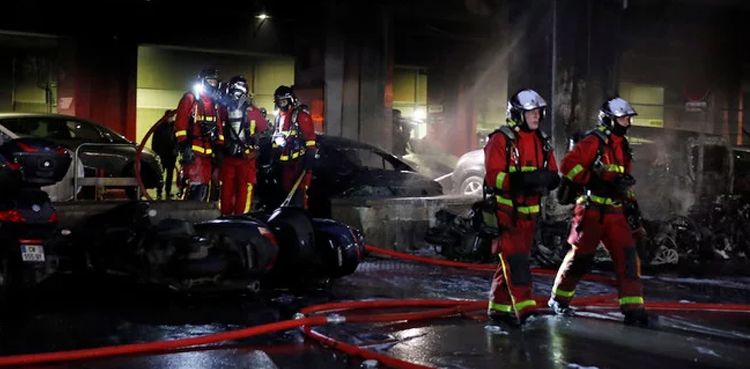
[346, 168]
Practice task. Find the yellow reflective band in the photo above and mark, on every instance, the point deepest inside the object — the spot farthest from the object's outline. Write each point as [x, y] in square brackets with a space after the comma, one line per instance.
[523, 169]
[599, 200]
[206, 118]
[501, 307]
[559, 292]
[284, 157]
[533, 209]
[631, 194]
[524, 304]
[249, 199]
[631, 300]
[221, 137]
[614, 168]
[247, 151]
[252, 126]
[201, 150]
[293, 132]
[573, 172]
[310, 143]
[295, 155]
[499, 180]
[180, 133]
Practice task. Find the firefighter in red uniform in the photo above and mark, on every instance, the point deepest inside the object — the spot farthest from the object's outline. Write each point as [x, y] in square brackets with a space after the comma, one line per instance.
[237, 171]
[598, 169]
[199, 132]
[520, 168]
[294, 139]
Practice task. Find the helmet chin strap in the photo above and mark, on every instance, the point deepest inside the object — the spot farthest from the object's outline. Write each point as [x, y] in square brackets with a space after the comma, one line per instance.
[619, 130]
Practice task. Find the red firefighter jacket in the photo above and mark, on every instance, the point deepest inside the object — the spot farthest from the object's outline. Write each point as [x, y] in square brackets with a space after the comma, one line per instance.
[526, 153]
[298, 128]
[579, 164]
[191, 114]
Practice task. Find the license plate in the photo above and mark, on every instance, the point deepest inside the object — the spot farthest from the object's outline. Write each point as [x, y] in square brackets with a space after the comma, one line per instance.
[32, 253]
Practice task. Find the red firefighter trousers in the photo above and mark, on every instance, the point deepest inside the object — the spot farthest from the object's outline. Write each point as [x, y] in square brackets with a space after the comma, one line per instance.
[237, 176]
[511, 290]
[290, 172]
[199, 172]
[607, 224]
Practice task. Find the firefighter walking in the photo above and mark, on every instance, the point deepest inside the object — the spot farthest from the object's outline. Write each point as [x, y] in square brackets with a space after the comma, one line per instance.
[520, 167]
[237, 169]
[599, 168]
[199, 132]
[295, 142]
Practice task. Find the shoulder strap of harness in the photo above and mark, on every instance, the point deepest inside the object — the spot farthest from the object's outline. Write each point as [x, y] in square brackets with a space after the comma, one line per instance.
[603, 140]
[546, 146]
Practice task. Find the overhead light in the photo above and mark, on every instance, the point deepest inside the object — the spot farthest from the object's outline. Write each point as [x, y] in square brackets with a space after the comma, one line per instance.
[262, 16]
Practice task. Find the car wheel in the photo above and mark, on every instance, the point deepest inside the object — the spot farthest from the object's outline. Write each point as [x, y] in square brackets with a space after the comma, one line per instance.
[471, 186]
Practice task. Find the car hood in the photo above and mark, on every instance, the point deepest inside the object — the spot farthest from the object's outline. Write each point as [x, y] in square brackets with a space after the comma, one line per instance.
[379, 183]
[471, 157]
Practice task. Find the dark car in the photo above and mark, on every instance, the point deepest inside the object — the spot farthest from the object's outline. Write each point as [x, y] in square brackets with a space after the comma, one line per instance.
[113, 155]
[348, 168]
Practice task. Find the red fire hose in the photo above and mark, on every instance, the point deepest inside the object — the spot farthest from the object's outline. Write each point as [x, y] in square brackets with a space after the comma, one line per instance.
[401, 255]
[337, 315]
[156, 125]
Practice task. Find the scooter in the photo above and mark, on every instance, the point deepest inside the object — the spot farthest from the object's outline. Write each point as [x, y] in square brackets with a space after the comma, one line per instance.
[238, 252]
[204, 257]
[28, 220]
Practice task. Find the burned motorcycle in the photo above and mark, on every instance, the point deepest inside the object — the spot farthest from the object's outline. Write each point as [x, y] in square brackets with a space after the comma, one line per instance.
[312, 251]
[233, 253]
[208, 256]
[28, 220]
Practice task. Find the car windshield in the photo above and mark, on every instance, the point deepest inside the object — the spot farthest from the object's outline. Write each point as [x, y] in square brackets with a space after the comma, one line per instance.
[358, 157]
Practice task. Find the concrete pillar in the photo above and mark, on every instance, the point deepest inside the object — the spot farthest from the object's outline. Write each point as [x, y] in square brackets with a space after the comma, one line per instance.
[567, 50]
[98, 82]
[357, 67]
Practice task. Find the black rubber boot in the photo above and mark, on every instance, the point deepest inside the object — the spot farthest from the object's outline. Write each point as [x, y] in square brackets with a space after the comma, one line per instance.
[506, 321]
[529, 317]
[640, 318]
[560, 308]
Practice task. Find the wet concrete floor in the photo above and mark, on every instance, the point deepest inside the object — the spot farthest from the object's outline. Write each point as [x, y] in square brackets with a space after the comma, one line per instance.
[72, 313]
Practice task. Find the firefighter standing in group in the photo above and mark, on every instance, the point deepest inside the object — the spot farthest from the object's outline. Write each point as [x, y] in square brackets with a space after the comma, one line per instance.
[199, 132]
[520, 167]
[607, 211]
[295, 141]
[237, 170]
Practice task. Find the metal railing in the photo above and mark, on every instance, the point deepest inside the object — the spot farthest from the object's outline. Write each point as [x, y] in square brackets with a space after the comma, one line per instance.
[101, 181]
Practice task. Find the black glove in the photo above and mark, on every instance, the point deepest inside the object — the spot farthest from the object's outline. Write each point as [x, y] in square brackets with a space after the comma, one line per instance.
[534, 181]
[633, 214]
[309, 159]
[188, 156]
[621, 184]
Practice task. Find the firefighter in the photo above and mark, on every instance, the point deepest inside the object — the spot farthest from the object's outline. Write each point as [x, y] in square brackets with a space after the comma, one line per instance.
[237, 171]
[294, 139]
[199, 132]
[520, 168]
[606, 210]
